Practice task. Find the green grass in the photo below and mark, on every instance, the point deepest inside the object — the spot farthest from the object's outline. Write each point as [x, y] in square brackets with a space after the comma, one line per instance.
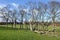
[16, 34]
[23, 35]
[57, 28]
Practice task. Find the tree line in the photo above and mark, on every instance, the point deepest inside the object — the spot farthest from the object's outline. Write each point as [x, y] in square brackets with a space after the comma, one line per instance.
[36, 13]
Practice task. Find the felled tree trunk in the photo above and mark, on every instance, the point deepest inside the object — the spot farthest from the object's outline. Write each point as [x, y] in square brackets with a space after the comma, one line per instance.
[14, 23]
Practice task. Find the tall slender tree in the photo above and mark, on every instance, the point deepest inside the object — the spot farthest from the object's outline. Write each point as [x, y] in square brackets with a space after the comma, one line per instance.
[22, 13]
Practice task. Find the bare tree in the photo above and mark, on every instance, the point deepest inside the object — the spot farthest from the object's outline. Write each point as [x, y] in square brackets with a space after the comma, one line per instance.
[33, 13]
[14, 18]
[22, 13]
[5, 14]
[54, 7]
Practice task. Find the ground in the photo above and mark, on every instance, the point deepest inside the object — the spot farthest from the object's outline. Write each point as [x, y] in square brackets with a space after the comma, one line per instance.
[24, 35]
[16, 34]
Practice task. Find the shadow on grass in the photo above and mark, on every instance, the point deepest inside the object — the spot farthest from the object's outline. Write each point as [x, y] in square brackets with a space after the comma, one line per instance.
[7, 28]
[10, 28]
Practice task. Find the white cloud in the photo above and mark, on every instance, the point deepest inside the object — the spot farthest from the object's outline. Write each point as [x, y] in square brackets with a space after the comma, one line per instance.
[14, 4]
[26, 10]
[36, 11]
[58, 11]
[2, 5]
[1, 16]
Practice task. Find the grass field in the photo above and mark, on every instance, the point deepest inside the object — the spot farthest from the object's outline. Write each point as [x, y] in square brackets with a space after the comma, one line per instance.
[12, 34]
[24, 35]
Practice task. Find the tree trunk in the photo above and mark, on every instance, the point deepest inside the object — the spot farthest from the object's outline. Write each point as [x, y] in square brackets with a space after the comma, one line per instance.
[7, 22]
[54, 27]
[20, 25]
[15, 23]
[31, 27]
[12, 23]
